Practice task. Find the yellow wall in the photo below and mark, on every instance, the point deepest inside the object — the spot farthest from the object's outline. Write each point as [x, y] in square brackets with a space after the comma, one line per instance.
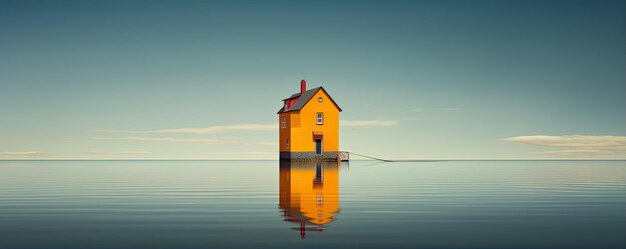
[301, 124]
[303, 198]
[285, 133]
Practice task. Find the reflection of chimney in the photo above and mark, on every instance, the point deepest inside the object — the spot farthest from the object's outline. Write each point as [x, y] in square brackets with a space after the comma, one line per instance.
[302, 86]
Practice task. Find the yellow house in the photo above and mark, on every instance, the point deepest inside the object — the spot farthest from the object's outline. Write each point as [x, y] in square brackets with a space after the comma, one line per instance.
[309, 125]
[309, 194]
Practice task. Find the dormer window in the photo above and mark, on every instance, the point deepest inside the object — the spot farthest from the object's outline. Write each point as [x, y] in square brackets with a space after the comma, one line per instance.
[320, 118]
[283, 122]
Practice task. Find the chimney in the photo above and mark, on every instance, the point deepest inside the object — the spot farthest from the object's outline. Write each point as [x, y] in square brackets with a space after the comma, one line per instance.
[302, 86]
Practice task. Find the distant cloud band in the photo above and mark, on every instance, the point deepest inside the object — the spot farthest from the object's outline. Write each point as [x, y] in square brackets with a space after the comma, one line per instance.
[437, 109]
[576, 145]
[368, 123]
[128, 152]
[170, 139]
[25, 154]
[206, 130]
[21, 153]
[240, 127]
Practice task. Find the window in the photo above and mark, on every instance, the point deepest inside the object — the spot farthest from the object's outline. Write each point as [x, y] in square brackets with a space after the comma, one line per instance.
[319, 200]
[283, 123]
[320, 118]
[287, 144]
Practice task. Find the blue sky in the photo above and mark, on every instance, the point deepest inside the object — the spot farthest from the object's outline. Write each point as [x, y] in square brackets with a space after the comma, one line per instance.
[415, 79]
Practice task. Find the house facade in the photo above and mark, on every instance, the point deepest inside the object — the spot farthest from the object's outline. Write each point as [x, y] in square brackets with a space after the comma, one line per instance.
[309, 126]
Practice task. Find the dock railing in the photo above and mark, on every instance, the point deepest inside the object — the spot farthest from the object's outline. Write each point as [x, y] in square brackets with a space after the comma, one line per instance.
[343, 156]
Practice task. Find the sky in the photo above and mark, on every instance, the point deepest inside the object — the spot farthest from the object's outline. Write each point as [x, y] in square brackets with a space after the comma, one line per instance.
[415, 79]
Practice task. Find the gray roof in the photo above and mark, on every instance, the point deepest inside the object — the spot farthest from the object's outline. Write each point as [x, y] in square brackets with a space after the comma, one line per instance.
[304, 98]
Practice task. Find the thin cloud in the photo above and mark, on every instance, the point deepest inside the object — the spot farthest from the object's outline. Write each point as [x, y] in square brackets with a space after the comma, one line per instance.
[435, 109]
[205, 130]
[267, 143]
[577, 152]
[242, 127]
[25, 154]
[21, 153]
[127, 152]
[236, 153]
[171, 140]
[575, 145]
[369, 123]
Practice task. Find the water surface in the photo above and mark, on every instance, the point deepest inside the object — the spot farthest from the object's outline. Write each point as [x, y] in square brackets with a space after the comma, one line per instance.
[252, 204]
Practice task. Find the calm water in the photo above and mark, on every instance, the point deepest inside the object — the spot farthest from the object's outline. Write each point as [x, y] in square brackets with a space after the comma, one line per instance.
[261, 204]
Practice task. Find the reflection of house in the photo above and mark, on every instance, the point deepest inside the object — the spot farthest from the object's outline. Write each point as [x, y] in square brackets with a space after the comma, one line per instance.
[309, 125]
[309, 193]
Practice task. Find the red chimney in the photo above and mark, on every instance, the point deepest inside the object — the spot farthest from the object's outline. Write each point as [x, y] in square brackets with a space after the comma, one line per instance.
[302, 86]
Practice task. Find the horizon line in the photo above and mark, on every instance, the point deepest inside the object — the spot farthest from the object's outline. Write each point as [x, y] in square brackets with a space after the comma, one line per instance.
[399, 160]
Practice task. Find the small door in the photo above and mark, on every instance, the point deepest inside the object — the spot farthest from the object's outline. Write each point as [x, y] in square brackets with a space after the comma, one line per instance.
[318, 146]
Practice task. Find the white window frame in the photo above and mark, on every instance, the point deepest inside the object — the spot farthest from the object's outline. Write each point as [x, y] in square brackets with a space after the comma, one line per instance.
[283, 122]
[319, 118]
